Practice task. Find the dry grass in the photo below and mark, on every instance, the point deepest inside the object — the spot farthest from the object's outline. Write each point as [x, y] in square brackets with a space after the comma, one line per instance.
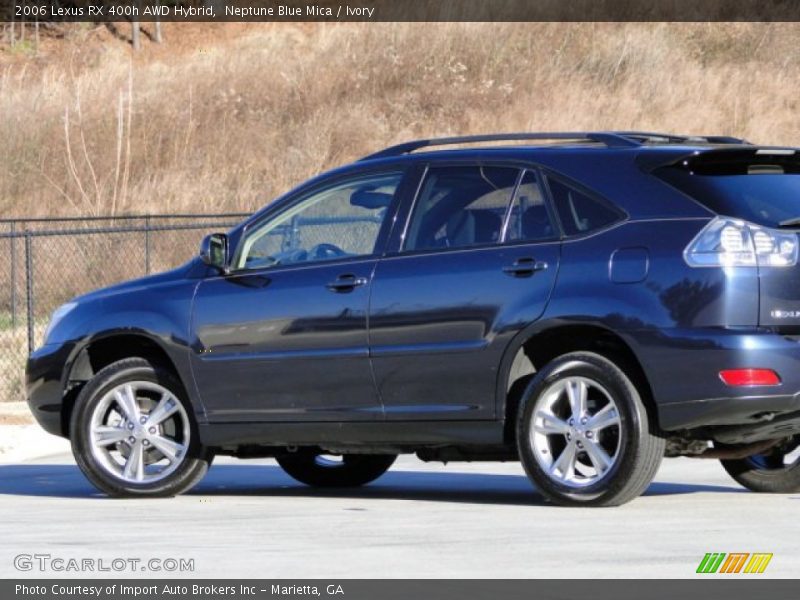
[227, 125]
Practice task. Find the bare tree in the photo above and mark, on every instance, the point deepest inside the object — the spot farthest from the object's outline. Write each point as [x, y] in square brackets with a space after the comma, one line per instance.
[157, 37]
[135, 36]
[22, 27]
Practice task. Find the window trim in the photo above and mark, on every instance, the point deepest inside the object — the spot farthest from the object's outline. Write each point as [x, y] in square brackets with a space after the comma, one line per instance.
[303, 193]
[558, 232]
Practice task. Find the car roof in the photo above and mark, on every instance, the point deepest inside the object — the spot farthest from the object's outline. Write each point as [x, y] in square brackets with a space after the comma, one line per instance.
[613, 164]
[616, 165]
[601, 139]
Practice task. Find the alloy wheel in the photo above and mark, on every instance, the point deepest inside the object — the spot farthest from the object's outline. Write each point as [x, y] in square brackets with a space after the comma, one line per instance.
[139, 432]
[576, 432]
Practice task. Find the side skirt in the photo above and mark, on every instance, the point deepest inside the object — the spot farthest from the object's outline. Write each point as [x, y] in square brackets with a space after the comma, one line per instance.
[411, 434]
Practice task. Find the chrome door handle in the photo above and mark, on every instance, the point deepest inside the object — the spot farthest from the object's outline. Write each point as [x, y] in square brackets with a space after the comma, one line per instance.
[346, 283]
[524, 267]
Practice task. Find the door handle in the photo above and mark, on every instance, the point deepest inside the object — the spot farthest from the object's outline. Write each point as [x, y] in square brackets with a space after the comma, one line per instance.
[346, 283]
[524, 267]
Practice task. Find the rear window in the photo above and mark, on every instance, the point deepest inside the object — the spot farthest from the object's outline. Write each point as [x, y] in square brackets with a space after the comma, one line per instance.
[758, 185]
[578, 212]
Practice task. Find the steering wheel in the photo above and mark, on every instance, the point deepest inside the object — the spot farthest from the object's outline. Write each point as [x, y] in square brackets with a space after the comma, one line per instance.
[325, 252]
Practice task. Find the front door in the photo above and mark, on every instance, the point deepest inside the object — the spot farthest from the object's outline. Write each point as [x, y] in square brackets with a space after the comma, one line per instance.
[477, 264]
[283, 337]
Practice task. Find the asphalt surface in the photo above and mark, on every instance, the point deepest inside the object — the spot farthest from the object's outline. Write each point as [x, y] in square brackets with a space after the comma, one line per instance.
[247, 518]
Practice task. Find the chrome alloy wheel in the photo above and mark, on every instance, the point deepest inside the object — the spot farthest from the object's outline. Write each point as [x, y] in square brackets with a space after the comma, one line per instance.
[576, 434]
[139, 432]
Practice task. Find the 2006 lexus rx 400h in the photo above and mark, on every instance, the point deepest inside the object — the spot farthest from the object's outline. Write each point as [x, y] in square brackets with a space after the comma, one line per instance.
[586, 303]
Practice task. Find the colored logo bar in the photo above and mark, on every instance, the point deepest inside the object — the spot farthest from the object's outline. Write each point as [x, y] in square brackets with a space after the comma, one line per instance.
[734, 562]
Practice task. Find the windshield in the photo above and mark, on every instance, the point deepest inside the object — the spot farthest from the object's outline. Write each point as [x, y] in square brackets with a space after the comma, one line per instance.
[758, 185]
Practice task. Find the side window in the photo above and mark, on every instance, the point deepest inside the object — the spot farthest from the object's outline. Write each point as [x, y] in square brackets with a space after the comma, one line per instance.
[529, 219]
[339, 221]
[578, 212]
[460, 207]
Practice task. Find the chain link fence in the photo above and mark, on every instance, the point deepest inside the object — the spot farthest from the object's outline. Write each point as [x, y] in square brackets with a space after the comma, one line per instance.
[50, 261]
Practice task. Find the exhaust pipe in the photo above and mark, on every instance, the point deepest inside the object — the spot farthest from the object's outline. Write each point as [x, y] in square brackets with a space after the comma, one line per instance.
[736, 452]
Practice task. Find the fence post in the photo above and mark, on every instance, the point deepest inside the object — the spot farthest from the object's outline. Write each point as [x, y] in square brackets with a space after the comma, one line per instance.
[147, 245]
[29, 288]
[13, 241]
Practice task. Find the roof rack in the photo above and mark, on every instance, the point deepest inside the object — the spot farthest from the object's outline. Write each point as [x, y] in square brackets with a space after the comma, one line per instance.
[645, 137]
[612, 139]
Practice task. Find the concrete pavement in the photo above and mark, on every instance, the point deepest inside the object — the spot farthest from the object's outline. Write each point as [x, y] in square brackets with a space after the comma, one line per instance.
[420, 520]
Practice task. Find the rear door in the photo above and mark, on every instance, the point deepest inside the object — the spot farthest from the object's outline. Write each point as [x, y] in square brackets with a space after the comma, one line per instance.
[475, 263]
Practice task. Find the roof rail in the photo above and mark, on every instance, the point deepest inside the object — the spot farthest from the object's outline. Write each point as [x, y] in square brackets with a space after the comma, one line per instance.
[612, 139]
[609, 139]
[669, 138]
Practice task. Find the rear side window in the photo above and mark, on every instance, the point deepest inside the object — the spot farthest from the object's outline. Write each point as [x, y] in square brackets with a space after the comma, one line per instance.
[757, 185]
[458, 207]
[580, 213]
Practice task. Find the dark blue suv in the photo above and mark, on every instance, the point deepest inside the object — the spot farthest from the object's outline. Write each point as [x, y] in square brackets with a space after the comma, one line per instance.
[586, 303]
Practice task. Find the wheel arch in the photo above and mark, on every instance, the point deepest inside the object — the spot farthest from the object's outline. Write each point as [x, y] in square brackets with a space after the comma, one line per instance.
[542, 342]
[109, 347]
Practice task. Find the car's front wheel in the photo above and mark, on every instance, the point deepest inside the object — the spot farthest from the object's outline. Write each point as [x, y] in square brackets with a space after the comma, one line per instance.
[133, 432]
[583, 433]
[345, 470]
[774, 472]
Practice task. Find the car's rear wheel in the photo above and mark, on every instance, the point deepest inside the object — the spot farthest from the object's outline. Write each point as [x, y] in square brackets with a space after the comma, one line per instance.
[133, 432]
[774, 472]
[345, 470]
[584, 436]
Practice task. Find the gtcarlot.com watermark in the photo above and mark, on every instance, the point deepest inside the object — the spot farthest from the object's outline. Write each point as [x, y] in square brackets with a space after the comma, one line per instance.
[58, 564]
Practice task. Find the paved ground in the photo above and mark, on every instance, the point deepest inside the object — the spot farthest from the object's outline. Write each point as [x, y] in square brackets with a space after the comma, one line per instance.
[479, 520]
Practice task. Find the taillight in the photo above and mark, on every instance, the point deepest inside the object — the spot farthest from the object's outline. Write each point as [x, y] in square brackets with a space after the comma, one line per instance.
[749, 377]
[727, 242]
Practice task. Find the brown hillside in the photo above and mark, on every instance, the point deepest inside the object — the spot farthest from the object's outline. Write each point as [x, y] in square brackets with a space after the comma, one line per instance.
[223, 117]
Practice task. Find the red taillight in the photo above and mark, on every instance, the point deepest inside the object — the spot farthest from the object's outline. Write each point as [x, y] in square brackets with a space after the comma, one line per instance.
[747, 377]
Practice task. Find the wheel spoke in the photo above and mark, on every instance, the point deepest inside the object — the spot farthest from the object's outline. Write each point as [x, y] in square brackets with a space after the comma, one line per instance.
[169, 448]
[549, 424]
[577, 392]
[167, 407]
[126, 399]
[564, 466]
[134, 466]
[601, 461]
[107, 435]
[605, 417]
[139, 423]
[572, 431]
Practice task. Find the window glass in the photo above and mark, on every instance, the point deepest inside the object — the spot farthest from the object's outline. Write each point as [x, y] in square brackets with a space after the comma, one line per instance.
[339, 221]
[459, 207]
[529, 219]
[755, 185]
[578, 212]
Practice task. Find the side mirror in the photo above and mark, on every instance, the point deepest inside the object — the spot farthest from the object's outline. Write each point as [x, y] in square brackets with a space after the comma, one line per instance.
[214, 250]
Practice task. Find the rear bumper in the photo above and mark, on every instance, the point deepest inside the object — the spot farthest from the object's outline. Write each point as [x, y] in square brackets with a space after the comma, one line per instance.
[43, 378]
[683, 366]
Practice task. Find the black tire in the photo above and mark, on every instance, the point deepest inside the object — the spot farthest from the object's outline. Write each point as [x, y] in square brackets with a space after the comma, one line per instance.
[193, 463]
[637, 450]
[351, 470]
[768, 473]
